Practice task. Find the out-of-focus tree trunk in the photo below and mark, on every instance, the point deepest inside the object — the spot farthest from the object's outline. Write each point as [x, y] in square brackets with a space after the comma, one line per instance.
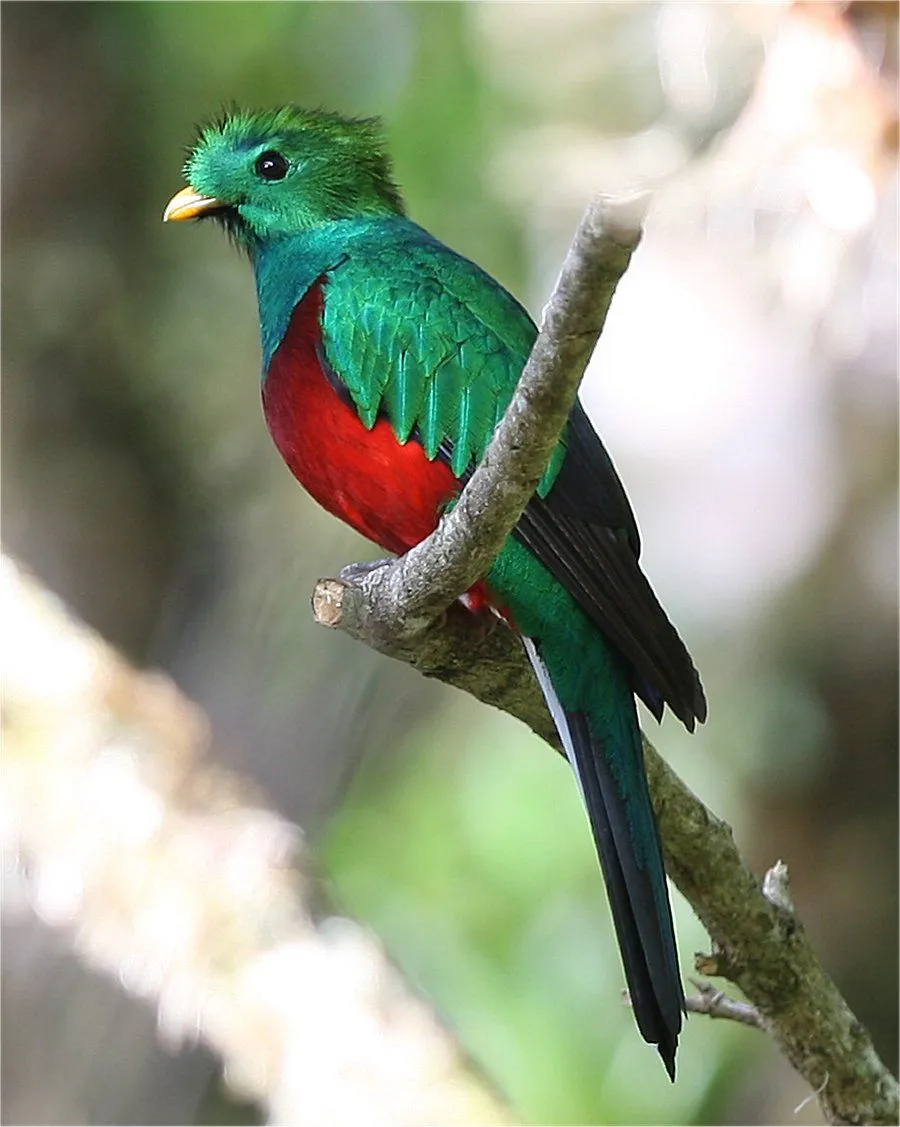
[168, 872]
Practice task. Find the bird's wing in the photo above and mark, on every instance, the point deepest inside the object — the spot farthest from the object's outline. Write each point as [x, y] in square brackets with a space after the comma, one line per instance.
[584, 531]
[425, 337]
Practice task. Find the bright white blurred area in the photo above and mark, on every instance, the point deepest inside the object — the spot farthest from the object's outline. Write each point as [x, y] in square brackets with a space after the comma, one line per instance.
[764, 276]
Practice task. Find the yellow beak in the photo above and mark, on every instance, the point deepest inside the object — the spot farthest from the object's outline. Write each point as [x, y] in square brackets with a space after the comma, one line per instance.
[189, 204]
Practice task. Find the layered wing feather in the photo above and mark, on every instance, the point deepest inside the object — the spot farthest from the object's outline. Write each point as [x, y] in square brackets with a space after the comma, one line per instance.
[425, 337]
[584, 531]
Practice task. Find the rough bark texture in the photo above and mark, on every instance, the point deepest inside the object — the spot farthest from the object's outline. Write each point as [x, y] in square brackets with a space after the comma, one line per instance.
[403, 609]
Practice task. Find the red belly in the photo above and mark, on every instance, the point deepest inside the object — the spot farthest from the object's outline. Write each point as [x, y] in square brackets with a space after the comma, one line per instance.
[390, 493]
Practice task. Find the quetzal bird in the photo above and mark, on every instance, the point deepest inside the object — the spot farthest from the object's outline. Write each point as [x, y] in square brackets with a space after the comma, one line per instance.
[387, 362]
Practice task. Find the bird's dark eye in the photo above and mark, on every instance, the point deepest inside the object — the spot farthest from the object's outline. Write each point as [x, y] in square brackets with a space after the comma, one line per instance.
[271, 166]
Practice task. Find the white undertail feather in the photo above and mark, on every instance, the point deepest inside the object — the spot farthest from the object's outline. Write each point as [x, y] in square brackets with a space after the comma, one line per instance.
[556, 709]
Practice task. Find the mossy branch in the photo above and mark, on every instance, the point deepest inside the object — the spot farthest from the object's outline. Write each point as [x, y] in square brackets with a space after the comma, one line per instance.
[407, 609]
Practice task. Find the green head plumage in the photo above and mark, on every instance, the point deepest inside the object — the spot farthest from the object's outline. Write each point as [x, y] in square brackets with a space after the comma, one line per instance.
[267, 174]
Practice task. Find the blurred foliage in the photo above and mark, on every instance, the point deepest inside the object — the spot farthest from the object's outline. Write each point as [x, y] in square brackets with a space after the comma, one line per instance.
[140, 484]
[464, 860]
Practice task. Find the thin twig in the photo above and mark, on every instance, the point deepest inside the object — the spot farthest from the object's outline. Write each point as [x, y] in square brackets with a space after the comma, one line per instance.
[716, 1003]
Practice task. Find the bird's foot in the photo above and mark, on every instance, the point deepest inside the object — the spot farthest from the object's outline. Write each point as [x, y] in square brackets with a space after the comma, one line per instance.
[482, 611]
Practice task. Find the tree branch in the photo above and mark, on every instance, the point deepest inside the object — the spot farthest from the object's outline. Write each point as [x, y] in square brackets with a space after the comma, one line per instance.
[398, 609]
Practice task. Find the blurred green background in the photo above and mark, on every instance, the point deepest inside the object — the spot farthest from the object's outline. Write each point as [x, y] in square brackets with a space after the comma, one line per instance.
[746, 388]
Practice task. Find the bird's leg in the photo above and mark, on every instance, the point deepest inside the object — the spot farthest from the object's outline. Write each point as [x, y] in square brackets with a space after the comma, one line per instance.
[482, 610]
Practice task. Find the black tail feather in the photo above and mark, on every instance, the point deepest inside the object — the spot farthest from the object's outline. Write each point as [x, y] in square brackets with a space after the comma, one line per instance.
[644, 930]
[627, 840]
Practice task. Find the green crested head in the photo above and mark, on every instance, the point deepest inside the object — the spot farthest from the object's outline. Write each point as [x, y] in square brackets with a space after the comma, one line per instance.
[273, 173]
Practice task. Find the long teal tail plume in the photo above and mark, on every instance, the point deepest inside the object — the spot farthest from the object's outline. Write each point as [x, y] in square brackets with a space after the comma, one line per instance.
[614, 786]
